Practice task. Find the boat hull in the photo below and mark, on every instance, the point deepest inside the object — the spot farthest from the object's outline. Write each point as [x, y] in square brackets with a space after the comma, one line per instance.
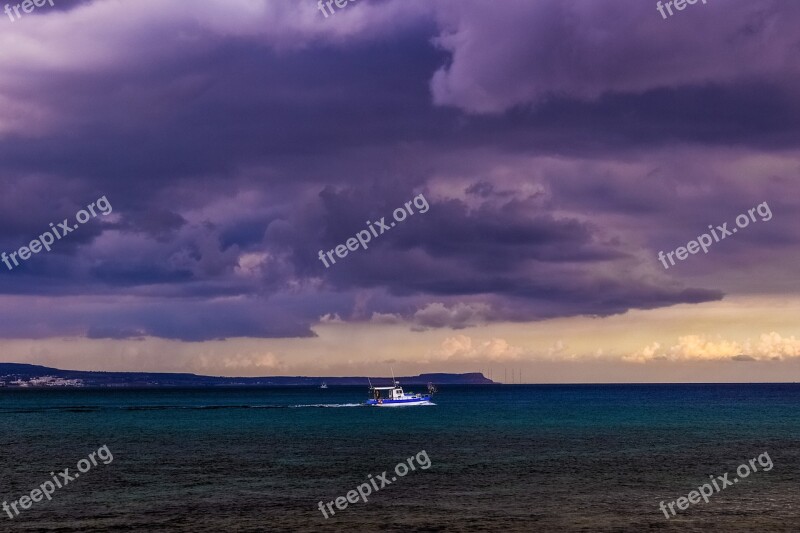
[424, 400]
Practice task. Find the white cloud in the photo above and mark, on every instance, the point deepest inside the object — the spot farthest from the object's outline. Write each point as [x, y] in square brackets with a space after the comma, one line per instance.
[460, 315]
[773, 345]
[250, 361]
[331, 318]
[702, 348]
[385, 318]
[463, 347]
[251, 265]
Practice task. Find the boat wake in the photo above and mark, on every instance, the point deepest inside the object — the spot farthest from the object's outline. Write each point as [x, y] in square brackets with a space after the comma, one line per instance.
[327, 405]
[98, 408]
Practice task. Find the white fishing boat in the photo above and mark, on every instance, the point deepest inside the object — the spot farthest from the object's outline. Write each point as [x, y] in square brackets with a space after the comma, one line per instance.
[323, 386]
[394, 396]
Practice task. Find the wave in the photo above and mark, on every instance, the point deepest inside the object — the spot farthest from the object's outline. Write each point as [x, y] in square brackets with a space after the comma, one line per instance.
[328, 405]
[95, 408]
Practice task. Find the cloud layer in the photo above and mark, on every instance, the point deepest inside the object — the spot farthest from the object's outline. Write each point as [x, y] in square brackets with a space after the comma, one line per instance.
[561, 145]
[770, 346]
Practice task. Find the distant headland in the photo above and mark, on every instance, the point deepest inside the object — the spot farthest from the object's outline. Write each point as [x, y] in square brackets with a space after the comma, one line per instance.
[13, 375]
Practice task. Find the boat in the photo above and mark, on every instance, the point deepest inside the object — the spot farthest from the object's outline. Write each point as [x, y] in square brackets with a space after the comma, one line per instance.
[323, 386]
[394, 396]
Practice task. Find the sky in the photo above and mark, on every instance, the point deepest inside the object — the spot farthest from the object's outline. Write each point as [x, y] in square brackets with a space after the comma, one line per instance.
[549, 150]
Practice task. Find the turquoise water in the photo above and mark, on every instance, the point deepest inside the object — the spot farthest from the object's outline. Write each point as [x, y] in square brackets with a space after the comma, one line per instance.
[510, 458]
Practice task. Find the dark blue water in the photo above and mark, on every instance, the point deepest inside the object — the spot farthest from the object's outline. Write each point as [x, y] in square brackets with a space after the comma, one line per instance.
[512, 458]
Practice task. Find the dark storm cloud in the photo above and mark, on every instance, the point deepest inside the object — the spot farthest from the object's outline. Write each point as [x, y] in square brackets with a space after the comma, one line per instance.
[156, 223]
[101, 332]
[523, 53]
[237, 142]
[507, 251]
[122, 316]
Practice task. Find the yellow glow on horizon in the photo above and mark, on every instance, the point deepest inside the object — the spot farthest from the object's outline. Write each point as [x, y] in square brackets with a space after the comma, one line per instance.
[576, 349]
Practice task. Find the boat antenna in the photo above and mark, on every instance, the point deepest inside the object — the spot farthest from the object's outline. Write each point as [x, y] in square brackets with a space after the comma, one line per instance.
[394, 382]
[370, 382]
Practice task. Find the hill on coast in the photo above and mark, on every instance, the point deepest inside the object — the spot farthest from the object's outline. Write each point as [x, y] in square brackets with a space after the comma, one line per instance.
[15, 374]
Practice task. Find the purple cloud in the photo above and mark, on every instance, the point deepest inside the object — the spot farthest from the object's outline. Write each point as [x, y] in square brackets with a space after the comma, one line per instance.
[561, 146]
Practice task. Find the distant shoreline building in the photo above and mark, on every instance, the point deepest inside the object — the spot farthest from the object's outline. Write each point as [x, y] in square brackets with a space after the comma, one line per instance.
[40, 381]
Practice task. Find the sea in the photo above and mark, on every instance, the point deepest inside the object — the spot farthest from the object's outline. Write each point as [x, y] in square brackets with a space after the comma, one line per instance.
[499, 458]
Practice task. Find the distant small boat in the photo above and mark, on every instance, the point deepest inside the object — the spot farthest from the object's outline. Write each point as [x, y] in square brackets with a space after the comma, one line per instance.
[323, 386]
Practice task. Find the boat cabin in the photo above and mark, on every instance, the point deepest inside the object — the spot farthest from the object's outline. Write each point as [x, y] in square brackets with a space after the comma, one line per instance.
[392, 393]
